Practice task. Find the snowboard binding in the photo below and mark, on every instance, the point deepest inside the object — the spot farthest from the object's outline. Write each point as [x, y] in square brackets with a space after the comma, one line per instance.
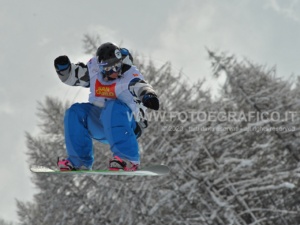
[64, 165]
[117, 164]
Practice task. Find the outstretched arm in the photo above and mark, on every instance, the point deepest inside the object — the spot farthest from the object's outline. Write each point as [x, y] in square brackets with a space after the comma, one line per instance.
[70, 73]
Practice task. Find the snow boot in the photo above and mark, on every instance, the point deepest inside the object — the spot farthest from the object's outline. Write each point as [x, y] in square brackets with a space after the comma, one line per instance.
[64, 165]
[116, 164]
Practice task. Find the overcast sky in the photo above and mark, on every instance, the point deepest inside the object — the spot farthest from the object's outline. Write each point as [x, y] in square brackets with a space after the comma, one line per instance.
[34, 32]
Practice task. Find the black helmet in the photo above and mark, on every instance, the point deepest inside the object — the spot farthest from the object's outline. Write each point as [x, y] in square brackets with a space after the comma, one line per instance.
[108, 54]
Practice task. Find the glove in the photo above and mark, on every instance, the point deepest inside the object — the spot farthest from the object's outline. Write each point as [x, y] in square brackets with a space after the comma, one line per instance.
[62, 63]
[151, 101]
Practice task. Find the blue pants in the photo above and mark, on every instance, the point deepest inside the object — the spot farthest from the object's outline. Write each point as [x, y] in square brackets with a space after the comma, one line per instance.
[112, 125]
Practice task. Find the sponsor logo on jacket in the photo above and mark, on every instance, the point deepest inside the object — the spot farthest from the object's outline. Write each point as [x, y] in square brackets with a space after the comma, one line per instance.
[105, 91]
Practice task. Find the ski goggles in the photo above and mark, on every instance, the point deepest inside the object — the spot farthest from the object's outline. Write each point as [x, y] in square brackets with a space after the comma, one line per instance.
[108, 70]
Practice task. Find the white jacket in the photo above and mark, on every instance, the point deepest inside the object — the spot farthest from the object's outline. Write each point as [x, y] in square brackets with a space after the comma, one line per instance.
[130, 87]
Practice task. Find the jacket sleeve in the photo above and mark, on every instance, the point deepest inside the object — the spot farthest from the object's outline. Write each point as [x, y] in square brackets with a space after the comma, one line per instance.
[139, 88]
[70, 73]
[145, 93]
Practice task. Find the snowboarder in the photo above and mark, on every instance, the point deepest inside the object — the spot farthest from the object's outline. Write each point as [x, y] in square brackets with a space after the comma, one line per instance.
[117, 92]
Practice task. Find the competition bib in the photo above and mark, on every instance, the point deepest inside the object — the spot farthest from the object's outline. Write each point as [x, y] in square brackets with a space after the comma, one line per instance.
[105, 91]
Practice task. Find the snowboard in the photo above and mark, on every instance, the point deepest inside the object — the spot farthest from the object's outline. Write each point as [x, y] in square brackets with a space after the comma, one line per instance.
[155, 170]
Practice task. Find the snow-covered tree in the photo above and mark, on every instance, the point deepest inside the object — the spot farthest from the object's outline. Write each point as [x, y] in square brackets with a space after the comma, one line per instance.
[223, 170]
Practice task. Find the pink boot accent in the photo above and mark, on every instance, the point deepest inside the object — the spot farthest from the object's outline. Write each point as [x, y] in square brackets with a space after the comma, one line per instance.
[117, 164]
[64, 165]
